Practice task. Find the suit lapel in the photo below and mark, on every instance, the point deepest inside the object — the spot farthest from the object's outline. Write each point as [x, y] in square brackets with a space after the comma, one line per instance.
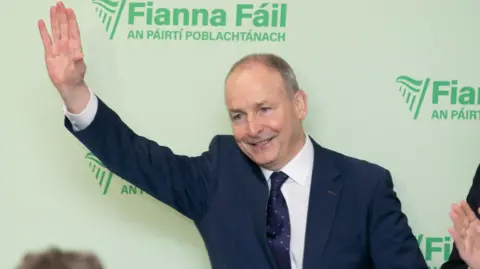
[256, 194]
[324, 195]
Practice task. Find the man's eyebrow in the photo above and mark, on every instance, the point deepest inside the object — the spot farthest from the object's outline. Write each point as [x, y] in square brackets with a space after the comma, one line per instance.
[256, 105]
[235, 110]
[261, 104]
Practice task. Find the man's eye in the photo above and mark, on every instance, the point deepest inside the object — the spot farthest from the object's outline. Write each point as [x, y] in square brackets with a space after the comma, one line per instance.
[236, 117]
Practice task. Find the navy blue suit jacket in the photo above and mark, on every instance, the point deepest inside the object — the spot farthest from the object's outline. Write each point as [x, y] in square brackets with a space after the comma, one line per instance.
[354, 221]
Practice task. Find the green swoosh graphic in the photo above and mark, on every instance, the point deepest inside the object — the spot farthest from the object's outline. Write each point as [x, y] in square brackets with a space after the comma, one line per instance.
[411, 83]
[112, 3]
[104, 7]
[89, 156]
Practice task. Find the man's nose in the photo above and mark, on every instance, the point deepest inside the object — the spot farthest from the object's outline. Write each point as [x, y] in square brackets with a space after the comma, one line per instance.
[254, 127]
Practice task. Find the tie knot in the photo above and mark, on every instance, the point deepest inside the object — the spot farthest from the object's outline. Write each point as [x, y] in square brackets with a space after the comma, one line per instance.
[277, 180]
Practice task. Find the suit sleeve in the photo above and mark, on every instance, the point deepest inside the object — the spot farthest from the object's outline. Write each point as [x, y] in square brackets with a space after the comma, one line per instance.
[184, 183]
[473, 199]
[392, 243]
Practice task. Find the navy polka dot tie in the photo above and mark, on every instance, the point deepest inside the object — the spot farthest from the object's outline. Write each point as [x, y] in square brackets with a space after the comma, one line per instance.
[278, 222]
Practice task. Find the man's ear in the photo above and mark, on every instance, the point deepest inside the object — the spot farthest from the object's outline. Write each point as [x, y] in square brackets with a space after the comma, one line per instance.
[300, 103]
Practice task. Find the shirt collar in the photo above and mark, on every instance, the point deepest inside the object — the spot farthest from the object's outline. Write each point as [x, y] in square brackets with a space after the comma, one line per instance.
[300, 167]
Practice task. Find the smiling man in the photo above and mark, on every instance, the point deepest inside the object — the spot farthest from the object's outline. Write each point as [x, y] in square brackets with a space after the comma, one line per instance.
[266, 109]
[267, 197]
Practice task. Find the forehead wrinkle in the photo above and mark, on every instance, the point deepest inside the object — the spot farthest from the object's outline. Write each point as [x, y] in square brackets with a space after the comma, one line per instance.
[246, 85]
[253, 81]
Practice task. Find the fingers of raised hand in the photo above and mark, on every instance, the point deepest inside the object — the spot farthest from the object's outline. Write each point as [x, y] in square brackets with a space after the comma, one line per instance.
[74, 35]
[62, 20]
[458, 240]
[459, 210]
[467, 210]
[459, 219]
[73, 29]
[469, 246]
[54, 23]
[471, 238]
[77, 56]
[65, 38]
[476, 232]
[46, 39]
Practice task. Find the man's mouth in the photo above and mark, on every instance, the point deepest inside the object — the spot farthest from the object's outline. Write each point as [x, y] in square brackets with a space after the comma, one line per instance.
[262, 143]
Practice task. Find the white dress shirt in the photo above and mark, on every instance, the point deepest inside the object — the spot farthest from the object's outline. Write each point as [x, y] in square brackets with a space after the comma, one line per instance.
[296, 189]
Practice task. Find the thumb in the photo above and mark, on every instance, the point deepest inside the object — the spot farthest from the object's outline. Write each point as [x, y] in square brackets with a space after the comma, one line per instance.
[77, 56]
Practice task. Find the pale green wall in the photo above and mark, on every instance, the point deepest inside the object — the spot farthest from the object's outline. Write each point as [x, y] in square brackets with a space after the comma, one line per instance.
[347, 55]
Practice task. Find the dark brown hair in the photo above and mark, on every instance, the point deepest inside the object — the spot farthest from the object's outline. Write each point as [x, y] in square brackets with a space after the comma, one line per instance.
[54, 258]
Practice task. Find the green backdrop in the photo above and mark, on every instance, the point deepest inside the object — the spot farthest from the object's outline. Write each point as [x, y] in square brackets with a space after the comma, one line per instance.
[393, 83]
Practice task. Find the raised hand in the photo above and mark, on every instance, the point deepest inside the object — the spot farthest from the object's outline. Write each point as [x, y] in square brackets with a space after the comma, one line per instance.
[64, 57]
[472, 246]
[466, 234]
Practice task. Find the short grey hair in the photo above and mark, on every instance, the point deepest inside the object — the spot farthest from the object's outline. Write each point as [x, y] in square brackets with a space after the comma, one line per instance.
[273, 62]
[54, 258]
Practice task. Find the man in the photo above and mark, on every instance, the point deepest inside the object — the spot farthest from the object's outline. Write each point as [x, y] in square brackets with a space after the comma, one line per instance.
[54, 258]
[466, 230]
[267, 197]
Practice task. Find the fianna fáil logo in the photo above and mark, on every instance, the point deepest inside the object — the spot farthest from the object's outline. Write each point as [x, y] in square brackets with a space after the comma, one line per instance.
[413, 91]
[104, 178]
[148, 20]
[436, 249]
[102, 175]
[439, 99]
[109, 12]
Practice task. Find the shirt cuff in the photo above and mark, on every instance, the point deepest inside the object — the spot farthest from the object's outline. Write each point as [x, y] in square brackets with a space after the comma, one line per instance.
[83, 119]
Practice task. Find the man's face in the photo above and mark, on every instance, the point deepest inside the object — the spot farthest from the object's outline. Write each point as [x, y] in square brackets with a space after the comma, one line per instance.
[266, 120]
